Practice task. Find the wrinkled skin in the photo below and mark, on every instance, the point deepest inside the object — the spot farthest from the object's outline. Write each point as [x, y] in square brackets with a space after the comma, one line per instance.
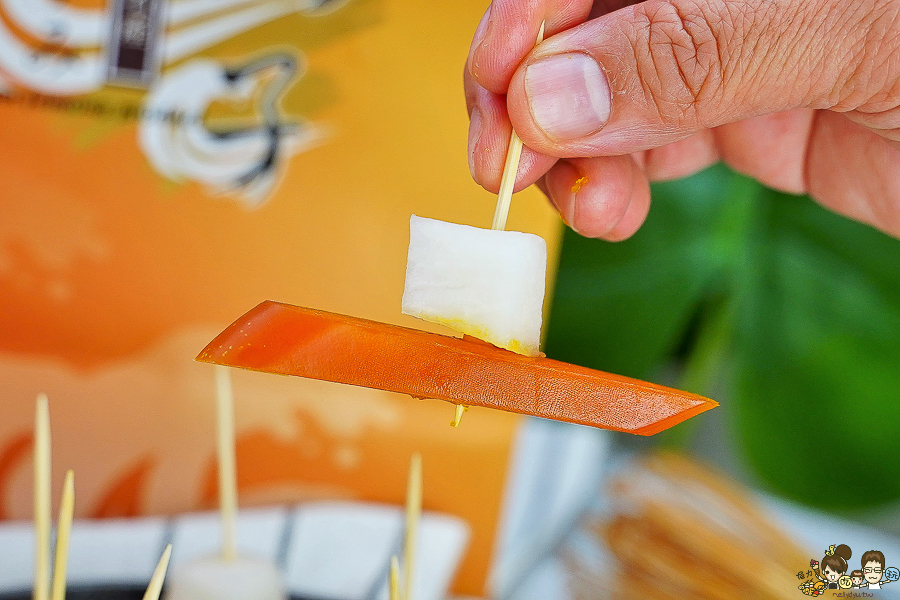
[803, 95]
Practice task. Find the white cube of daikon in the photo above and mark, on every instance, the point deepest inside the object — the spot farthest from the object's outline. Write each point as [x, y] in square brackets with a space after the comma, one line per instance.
[481, 282]
[213, 578]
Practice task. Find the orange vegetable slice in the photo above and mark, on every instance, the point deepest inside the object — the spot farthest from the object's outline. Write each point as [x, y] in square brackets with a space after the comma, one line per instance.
[290, 340]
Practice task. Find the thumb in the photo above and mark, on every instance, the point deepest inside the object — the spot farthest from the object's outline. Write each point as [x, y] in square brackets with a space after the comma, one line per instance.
[656, 72]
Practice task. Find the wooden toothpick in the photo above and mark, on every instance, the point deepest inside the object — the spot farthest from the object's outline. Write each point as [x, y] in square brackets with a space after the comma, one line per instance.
[460, 410]
[156, 582]
[63, 529]
[227, 467]
[394, 582]
[413, 511]
[42, 508]
[508, 180]
[504, 199]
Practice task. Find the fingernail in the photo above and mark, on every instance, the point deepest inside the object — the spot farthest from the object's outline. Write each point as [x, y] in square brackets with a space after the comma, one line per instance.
[569, 218]
[568, 95]
[478, 38]
[563, 211]
[474, 135]
[481, 30]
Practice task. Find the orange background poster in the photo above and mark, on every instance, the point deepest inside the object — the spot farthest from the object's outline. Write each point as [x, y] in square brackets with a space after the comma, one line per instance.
[128, 239]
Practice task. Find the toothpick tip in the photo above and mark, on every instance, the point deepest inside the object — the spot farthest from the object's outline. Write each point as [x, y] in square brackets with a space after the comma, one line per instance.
[159, 574]
[63, 531]
[460, 411]
[42, 405]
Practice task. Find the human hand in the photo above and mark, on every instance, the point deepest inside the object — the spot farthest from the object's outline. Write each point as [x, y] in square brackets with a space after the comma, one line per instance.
[803, 95]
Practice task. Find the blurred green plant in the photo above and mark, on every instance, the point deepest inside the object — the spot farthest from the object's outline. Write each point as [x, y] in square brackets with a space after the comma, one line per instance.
[793, 309]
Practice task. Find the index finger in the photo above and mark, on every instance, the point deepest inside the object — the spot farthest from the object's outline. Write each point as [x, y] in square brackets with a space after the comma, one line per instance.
[507, 31]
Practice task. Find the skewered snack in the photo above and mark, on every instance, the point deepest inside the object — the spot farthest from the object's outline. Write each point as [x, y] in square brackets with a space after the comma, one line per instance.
[290, 340]
[227, 576]
[485, 284]
[505, 315]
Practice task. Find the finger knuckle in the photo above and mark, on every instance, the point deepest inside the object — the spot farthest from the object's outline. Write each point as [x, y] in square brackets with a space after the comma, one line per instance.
[871, 77]
[680, 58]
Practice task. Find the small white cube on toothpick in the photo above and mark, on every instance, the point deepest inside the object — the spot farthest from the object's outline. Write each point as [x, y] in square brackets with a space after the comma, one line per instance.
[488, 284]
[241, 578]
[481, 282]
[228, 575]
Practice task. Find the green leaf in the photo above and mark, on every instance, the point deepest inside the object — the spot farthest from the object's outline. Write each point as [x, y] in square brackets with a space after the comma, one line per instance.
[817, 351]
[796, 309]
[623, 307]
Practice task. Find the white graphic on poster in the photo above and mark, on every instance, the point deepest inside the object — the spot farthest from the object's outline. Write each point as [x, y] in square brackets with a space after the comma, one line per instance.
[72, 61]
[84, 72]
[50, 73]
[242, 161]
[58, 22]
[186, 41]
[54, 21]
